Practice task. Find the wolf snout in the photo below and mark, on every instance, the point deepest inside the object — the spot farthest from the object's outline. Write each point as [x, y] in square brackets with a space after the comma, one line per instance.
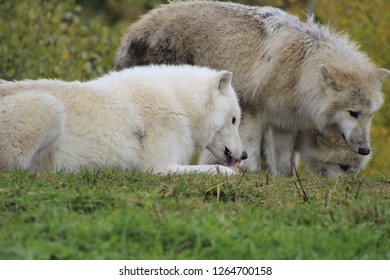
[364, 151]
[228, 153]
[360, 147]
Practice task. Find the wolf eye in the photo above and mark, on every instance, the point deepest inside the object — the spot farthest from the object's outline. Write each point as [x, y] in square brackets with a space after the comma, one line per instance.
[234, 120]
[344, 167]
[353, 114]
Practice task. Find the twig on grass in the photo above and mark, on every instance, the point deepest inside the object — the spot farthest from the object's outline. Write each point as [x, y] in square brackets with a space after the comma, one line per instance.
[95, 179]
[358, 189]
[226, 184]
[267, 177]
[244, 170]
[304, 195]
[218, 192]
[218, 189]
[296, 187]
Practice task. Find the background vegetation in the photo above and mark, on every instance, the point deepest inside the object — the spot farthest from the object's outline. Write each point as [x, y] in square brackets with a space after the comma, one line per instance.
[118, 215]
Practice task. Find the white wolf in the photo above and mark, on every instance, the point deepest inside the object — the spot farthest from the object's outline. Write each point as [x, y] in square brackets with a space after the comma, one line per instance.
[290, 75]
[146, 118]
[329, 155]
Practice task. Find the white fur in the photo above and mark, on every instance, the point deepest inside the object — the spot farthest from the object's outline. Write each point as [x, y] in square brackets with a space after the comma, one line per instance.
[328, 155]
[147, 118]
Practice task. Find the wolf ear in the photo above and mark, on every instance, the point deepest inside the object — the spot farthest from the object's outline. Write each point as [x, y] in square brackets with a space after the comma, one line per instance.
[329, 79]
[224, 80]
[380, 75]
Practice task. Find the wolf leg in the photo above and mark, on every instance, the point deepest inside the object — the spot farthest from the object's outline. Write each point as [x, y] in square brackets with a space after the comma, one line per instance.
[279, 151]
[251, 135]
[252, 146]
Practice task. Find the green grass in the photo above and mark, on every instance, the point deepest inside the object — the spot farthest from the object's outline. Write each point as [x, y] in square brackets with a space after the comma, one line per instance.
[117, 215]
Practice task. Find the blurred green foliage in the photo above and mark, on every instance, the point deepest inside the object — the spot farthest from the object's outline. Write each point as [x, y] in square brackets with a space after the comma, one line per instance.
[52, 39]
[77, 40]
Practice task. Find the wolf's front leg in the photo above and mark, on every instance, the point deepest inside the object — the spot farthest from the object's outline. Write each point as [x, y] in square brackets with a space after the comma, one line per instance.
[251, 136]
[253, 148]
[279, 151]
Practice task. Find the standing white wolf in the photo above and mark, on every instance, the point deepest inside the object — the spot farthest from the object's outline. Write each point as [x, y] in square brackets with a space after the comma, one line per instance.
[290, 75]
[147, 118]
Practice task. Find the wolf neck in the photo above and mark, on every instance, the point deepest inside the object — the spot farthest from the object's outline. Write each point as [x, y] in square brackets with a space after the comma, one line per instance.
[298, 71]
[200, 129]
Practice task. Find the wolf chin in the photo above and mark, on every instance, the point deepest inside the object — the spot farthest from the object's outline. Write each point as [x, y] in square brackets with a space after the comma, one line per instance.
[290, 75]
[141, 119]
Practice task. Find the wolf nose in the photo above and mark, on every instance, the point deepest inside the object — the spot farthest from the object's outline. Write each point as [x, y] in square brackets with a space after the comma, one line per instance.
[364, 151]
[244, 156]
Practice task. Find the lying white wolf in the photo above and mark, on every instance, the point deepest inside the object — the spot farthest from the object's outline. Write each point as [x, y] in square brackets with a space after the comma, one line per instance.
[150, 118]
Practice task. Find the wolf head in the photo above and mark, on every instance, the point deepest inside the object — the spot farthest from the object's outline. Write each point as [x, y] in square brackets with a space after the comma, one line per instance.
[226, 144]
[355, 97]
[328, 155]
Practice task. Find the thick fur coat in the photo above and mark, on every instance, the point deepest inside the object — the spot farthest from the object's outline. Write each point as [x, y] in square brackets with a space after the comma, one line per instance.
[146, 118]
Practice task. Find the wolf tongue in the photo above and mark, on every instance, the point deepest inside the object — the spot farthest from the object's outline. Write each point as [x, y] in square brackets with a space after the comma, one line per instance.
[231, 162]
[234, 163]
